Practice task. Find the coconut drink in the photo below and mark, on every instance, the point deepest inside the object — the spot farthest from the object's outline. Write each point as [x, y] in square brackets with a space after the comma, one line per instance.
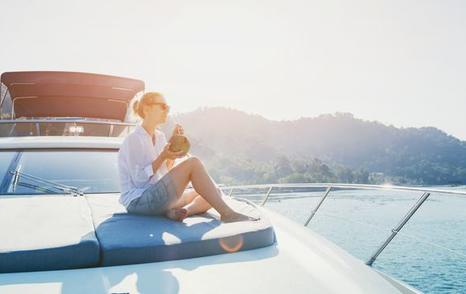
[179, 143]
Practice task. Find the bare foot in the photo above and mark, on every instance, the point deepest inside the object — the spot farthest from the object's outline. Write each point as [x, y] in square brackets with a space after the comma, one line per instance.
[237, 217]
[177, 214]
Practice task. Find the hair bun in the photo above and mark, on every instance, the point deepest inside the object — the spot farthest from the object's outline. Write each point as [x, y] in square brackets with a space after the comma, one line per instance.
[136, 107]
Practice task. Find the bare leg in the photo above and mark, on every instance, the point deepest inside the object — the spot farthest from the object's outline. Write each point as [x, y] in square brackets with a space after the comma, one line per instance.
[193, 170]
[177, 211]
[186, 198]
[177, 214]
[190, 203]
[197, 206]
[193, 203]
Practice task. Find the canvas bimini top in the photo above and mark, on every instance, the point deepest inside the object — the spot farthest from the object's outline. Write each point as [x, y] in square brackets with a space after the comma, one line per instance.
[69, 94]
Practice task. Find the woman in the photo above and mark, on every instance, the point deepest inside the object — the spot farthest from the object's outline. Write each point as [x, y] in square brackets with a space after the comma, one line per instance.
[150, 184]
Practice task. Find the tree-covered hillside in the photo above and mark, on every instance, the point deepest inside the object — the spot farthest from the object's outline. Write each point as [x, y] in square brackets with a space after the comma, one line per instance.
[243, 148]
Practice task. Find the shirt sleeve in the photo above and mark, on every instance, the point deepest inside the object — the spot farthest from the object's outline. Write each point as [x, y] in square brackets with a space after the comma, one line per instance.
[149, 170]
[140, 171]
[125, 180]
[163, 169]
[163, 139]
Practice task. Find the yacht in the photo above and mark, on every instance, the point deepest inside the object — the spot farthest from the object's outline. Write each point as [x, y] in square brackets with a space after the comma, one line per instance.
[64, 231]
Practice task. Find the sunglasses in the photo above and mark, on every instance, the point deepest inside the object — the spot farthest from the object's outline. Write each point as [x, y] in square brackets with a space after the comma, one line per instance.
[164, 106]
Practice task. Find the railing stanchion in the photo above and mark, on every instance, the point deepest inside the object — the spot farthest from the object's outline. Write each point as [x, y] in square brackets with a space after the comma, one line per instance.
[318, 205]
[398, 228]
[37, 128]
[13, 127]
[267, 196]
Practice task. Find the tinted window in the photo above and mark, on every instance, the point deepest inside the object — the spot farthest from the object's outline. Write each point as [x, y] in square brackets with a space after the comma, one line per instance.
[5, 160]
[90, 171]
[6, 104]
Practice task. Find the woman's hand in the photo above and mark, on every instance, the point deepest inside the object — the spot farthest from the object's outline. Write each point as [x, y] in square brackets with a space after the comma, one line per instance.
[178, 130]
[167, 154]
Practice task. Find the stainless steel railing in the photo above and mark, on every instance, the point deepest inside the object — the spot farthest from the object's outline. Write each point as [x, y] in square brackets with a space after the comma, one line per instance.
[426, 192]
[63, 127]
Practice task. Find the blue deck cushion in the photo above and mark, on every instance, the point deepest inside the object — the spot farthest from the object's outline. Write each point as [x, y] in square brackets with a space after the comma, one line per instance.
[46, 233]
[127, 239]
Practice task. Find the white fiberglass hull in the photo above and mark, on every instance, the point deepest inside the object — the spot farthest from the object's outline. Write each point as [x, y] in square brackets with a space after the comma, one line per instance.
[300, 262]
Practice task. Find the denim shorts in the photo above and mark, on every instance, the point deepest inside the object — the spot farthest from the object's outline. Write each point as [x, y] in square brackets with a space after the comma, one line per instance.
[156, 199]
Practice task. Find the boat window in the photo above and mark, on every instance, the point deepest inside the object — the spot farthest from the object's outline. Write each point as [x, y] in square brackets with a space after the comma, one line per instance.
[5, 160]
[5, 103]
[90, 171]
[50, 127]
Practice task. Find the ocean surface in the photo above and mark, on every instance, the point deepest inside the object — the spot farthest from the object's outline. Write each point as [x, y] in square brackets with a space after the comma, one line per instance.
[429, 252]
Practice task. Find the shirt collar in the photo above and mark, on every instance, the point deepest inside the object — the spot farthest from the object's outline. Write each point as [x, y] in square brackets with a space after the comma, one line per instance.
[140, 130]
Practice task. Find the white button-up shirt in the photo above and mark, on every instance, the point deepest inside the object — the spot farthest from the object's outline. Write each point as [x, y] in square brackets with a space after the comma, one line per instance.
[135, 163]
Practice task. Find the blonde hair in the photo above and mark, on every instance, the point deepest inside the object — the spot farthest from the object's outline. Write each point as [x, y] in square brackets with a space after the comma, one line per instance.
[146, 99]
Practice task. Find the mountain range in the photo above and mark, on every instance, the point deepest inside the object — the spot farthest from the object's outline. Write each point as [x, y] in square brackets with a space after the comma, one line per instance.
[337, 141]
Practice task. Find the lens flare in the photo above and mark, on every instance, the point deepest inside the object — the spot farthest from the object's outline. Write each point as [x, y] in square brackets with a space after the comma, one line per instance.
[232, 244]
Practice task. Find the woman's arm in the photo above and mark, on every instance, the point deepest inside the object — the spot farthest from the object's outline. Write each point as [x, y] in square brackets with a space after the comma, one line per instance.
[158, 162]
[166, 156]
[177, 130]
[169, 163]
[133, 164]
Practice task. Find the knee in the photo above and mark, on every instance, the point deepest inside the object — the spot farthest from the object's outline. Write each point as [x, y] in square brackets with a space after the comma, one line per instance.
[194, 161]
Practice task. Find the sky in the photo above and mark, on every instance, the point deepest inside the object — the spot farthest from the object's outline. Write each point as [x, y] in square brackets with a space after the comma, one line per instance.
[402, 63]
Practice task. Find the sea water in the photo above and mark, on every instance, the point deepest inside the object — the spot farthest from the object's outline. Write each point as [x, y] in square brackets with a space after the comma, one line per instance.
[429, 252]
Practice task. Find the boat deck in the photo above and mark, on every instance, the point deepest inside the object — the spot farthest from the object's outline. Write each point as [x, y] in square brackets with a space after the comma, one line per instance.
[300, 260]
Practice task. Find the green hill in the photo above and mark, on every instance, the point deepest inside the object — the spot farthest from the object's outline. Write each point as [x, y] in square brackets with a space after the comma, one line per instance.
[243, 148]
